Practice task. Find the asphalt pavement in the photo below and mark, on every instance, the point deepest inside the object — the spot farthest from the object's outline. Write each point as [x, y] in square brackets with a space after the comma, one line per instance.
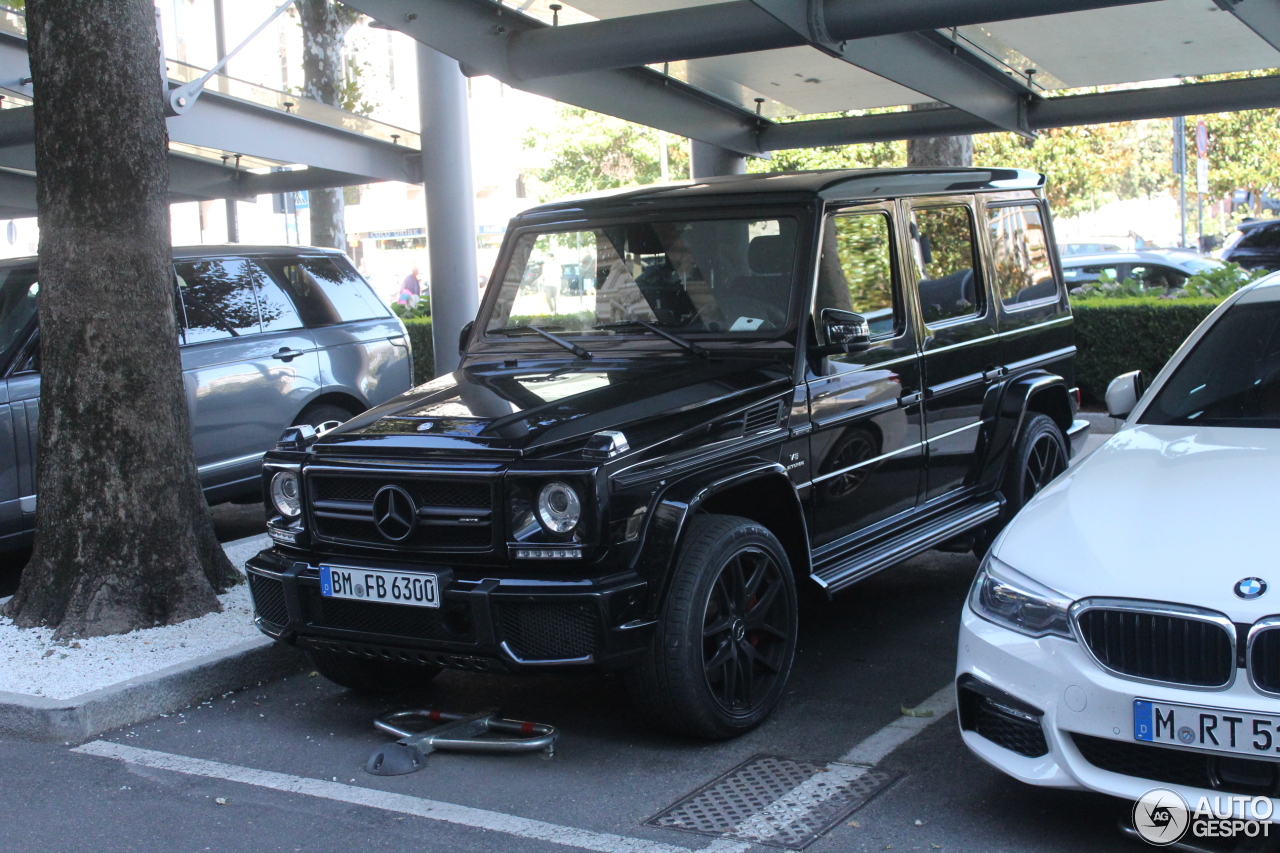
[196, 782]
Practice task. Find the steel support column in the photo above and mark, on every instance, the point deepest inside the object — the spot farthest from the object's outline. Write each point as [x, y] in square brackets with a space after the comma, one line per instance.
[451, 220]
[708, 161]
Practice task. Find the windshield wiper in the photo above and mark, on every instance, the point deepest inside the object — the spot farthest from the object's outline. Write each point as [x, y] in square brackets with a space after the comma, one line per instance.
[555, 339]
[685, 343]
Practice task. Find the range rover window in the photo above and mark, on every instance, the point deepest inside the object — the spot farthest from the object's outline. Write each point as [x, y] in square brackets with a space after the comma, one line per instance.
[327, 292]
[942, 241]
[1020, 252]
[19, 290]
[1232, 376]
[855, 271]
[278, 314]
[218, 298]
[717, 276]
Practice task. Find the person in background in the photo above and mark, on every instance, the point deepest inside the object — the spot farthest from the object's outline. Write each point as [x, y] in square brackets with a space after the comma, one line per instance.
[410, 290]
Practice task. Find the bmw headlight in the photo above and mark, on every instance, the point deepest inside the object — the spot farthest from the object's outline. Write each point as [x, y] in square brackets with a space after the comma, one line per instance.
[286, 495]
[1012, 600]
[559, 508]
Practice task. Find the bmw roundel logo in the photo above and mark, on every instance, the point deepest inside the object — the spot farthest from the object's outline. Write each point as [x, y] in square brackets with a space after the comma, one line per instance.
[1250, 588]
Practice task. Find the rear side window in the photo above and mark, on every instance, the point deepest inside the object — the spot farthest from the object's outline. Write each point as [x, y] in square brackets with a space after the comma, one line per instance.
[1020, 249]
[942, 241]
[278, 313]
[218, 298]
[327, 292]
[1262, 237]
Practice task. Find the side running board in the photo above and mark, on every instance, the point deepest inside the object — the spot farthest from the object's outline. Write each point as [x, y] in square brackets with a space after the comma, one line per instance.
[885, 554]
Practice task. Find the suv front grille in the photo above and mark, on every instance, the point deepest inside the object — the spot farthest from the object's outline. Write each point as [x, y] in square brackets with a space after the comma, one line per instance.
[268, 599]
[1159, 646]
[453, 514]
[551, 630]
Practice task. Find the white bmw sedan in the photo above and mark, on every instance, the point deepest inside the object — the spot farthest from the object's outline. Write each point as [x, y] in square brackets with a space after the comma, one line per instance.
[1123, 632]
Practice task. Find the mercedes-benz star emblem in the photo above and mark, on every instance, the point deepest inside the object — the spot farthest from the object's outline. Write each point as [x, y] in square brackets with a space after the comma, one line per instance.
[1250, 588]
[394, 513]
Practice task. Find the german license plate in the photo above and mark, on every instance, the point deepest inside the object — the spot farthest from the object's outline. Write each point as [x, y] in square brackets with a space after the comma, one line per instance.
[1212, 729]
[417, 589]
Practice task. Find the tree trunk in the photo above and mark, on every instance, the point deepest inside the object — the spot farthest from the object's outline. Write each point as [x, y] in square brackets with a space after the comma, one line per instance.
[938, 152]
[123, 536]
[324, 26]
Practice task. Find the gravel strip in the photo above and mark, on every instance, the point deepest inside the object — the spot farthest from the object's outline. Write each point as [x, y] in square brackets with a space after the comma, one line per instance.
[32, 663]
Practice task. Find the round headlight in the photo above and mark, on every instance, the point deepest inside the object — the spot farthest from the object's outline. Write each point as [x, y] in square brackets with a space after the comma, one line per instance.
[559, 509]
[285, 494]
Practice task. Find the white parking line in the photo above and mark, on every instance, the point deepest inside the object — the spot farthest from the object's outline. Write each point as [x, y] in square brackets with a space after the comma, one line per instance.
[865, 755]
[387, 801]
[872, 751]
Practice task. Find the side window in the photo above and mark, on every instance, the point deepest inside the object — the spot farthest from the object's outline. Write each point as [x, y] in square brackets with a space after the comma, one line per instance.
[327, 292]
[1021, 254]
[218, 298]
[942, 241]
[1157, 276]
[855, 272]
[278, 313]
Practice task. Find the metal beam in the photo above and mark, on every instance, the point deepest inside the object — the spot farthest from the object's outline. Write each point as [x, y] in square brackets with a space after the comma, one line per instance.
[1261, 16]
[476, 33]
[745, 26]
[1250, 93]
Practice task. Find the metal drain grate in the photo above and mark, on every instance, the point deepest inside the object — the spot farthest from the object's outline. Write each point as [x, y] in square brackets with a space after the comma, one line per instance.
[775, 801]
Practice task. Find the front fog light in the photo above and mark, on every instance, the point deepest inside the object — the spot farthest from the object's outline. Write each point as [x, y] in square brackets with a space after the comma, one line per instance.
[559, 508]
[1011, 599]
[285, 494]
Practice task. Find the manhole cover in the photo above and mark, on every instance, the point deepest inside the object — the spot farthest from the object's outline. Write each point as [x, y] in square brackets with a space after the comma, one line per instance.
[776, 801]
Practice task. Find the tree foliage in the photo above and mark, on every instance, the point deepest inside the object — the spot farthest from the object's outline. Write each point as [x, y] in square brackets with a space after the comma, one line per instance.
[591, 151]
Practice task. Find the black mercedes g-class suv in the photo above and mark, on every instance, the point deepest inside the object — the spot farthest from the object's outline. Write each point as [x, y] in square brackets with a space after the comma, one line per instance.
[677, 404]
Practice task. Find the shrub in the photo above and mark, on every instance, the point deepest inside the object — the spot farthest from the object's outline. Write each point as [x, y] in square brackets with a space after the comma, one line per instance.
[1114, 336]
[424, 363]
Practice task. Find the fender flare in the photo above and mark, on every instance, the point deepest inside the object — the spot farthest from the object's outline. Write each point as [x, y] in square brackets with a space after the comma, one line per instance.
[676, 505]
[1010, 411]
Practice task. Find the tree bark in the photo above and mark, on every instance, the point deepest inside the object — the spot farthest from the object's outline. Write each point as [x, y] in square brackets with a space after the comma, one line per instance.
[324, 26]
[938, 152]
[124, 539]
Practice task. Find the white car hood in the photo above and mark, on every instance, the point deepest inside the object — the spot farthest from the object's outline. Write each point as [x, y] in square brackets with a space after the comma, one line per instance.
[1174, 514]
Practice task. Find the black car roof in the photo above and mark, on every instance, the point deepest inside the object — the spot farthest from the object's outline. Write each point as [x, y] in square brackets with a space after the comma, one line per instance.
[218, 250]
[1258, 223]
[825, 183]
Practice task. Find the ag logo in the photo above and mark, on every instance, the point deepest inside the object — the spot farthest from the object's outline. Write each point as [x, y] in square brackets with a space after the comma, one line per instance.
[1250, 588]
[1161, 817]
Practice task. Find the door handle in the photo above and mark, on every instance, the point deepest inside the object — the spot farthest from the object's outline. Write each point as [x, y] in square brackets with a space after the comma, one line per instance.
[994, 373]
[910, 399]
[286, 354]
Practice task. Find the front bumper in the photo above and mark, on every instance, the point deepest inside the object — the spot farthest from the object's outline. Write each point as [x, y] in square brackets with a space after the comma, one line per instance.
[1086, 719]
[483, 623]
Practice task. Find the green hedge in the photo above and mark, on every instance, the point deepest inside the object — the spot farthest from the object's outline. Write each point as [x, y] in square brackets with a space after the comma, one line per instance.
[424, 363]
[1114, 336]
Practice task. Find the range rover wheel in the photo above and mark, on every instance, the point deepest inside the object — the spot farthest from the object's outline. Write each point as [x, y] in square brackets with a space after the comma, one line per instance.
[323, 415]
[727, 637]
[1039, 456]
[364, 675]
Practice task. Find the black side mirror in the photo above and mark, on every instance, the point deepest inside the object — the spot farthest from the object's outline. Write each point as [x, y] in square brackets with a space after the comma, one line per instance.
[843, 332]
[464, 335]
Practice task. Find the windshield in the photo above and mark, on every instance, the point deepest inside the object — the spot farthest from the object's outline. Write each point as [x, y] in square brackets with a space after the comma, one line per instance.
[18, 292]
[1231, 377]
[715, 275]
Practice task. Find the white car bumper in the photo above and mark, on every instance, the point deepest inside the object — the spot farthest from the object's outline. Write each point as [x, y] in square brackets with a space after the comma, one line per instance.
[1083, 706]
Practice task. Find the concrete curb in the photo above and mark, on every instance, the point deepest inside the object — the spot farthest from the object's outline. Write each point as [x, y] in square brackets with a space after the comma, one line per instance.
[81, 717]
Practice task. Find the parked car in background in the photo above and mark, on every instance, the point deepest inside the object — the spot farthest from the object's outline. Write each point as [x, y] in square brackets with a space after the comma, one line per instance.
[1122, 632]
[269, 336]
[1254, 245]
[1154, 268]
[775, 381]
[1130, 242]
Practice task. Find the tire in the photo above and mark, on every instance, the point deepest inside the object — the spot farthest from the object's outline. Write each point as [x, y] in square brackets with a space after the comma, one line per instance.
[375, 677]
[1039, 456]
[732, 595]
[322, 413]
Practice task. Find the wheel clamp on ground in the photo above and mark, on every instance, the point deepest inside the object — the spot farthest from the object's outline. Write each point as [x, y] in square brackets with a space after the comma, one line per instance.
[453, 732]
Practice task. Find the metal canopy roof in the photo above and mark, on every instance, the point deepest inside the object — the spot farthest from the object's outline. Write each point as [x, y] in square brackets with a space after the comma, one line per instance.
[224, 145]
[722, 72]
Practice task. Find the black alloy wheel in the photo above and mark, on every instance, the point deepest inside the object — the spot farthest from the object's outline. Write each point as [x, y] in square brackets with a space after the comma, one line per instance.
[1038, 457]
[1045, 461]
[746, 630]
[726, 639]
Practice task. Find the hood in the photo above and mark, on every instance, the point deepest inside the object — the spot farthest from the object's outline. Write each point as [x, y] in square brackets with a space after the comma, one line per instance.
[1165, 513]
[520, 410]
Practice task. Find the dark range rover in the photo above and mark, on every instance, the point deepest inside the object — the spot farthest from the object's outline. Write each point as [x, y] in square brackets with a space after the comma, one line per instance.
[677, 404]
